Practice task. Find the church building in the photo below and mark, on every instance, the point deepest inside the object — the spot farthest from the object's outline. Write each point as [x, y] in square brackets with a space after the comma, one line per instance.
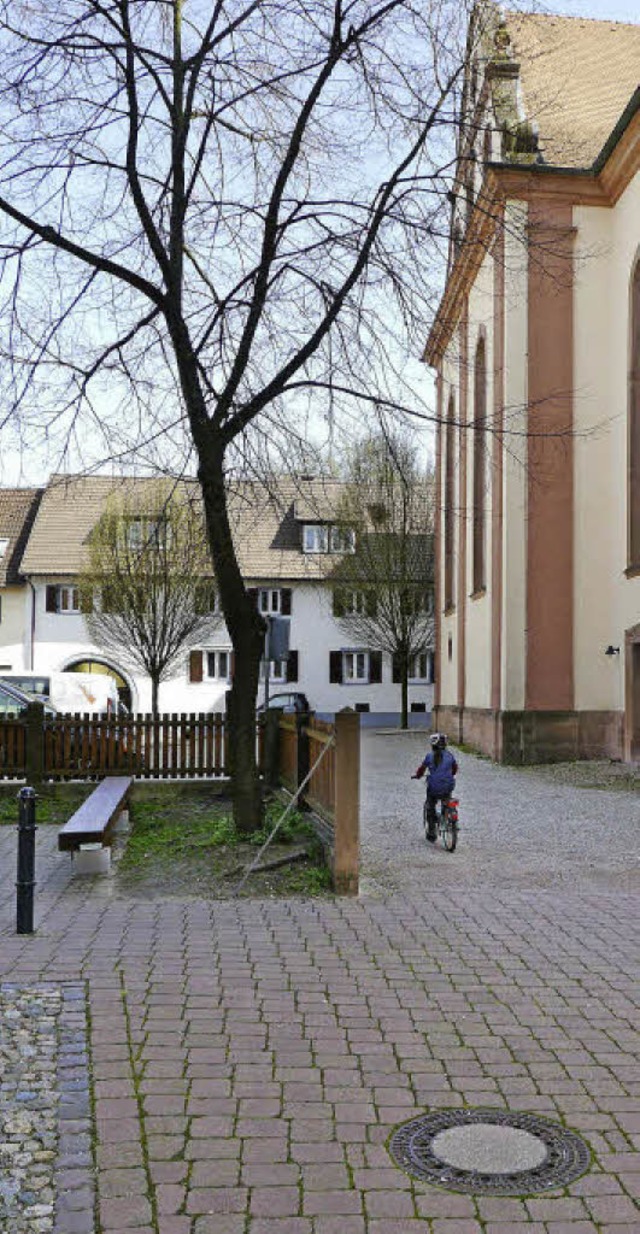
[536, 346]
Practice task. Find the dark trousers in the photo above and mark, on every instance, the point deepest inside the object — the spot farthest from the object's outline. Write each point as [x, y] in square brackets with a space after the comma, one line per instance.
[432, 799]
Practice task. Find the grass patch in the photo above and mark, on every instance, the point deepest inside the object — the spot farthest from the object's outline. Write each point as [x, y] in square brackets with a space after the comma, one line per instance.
[185, 843]
[54, 802]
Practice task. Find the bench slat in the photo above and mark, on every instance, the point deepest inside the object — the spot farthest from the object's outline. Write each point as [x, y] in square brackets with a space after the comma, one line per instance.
[92, 821]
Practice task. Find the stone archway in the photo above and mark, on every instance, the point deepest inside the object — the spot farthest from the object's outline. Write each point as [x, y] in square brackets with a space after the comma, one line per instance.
[632, 695]
[102, 666]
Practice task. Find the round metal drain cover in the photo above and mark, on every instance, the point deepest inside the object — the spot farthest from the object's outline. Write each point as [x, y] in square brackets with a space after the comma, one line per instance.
[489, 1152]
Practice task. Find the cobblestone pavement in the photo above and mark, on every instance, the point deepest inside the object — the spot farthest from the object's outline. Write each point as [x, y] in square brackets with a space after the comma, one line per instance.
[250, 1059]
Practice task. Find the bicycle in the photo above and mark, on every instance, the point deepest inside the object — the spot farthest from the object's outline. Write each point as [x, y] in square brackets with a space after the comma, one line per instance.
[446, 822]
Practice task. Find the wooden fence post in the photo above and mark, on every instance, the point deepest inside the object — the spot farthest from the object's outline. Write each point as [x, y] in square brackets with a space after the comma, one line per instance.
[302, 746]
[347, 805]
[34, 735]
[272, 747]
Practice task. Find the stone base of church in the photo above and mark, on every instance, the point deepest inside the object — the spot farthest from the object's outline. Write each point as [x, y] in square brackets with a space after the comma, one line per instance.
[534, 736]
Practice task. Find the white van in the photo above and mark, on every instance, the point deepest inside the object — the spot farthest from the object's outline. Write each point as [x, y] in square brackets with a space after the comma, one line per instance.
[92, 693]
[95, 693]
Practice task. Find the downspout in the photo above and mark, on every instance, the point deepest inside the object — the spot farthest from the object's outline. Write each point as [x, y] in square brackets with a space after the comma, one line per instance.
[33, 626]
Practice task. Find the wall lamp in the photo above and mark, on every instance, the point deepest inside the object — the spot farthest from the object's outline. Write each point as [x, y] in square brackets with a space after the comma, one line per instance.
[611, 651]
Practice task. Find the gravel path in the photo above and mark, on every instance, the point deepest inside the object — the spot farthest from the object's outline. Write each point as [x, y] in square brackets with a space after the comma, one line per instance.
[529, 828]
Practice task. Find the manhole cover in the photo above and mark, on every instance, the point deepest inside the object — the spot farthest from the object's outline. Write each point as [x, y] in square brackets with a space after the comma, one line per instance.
[490, 1152]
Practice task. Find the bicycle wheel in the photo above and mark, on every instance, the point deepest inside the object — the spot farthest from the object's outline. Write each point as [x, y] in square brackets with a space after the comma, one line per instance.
[448, 831]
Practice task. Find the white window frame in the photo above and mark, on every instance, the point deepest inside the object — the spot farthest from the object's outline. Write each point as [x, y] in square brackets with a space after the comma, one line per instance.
[4, 544]
[342, 540]
[415, 673]
[277, 671]
[72, 607]
[269, 600]
[356, 658]
[147, 530]
[214, 656]
[354, 603]
[315, 538]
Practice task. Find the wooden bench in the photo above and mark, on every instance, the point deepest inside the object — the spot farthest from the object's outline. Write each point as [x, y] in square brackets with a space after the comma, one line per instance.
[90, 830]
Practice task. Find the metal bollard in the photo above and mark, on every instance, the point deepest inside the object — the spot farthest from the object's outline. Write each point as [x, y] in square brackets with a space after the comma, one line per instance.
[26, 860]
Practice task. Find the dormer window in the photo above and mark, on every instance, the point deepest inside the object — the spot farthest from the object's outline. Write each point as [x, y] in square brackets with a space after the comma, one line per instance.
[323, 538]
[4, 544]
[143, 532]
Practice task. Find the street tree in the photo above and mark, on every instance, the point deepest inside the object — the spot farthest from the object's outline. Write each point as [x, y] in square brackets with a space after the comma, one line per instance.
[384, 588]
[222, 224]
[144, 585]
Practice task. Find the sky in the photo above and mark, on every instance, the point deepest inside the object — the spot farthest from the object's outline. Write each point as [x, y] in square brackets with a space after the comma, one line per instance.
[18, 469]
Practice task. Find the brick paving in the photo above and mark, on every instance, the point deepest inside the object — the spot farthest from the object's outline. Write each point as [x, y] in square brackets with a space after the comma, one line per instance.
[249, 1060]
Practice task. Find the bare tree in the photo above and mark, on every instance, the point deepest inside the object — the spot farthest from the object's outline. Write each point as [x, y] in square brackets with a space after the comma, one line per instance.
[383, 589]
[144, 587]
[219, 215]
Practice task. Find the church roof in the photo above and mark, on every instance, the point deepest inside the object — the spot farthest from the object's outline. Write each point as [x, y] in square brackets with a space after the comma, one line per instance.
[577, 76]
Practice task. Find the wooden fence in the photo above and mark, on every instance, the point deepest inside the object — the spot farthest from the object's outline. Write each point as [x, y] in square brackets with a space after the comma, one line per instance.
[333, 791]
[162, 747]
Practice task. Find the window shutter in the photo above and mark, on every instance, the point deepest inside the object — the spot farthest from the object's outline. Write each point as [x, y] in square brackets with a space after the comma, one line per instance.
[338, 603]
[195, 666]
[292, 666]
[253, 592]
[232, 665]
[375, 667]
[431, 668]
[396, 668]
[285, 601]
[335, 667]
[371, 603]
[51, 601]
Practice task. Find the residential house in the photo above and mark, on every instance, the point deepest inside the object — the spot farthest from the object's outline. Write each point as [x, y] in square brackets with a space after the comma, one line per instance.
[289, 544]
[18, 508]
[537, 351]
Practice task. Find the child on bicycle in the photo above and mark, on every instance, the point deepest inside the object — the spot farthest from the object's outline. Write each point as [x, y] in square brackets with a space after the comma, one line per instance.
[442, 768]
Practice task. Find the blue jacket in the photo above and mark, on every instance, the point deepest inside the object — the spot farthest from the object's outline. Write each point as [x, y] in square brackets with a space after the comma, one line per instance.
[442, 778]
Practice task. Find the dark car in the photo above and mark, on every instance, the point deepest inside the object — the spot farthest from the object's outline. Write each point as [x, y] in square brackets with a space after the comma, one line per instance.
[290, 702]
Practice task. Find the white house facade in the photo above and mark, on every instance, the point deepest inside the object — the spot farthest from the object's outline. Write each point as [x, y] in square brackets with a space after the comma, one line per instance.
[288, 551]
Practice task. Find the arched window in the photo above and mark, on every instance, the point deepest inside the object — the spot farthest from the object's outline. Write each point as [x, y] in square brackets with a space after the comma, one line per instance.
[479, 467]
[448, 505]
[634, 423]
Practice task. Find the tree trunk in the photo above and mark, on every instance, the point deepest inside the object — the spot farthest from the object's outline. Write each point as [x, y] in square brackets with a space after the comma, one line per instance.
[246, 629]
[155, 686]
[404, 718]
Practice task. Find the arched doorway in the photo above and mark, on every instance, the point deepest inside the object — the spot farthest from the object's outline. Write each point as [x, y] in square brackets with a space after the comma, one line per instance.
[101, 666]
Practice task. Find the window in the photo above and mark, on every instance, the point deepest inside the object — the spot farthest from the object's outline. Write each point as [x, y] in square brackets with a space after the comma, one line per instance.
[4, 544]
[634, 424]
[277, 670]
[448, 512]
[421, 668]
[355, 666]
[315, 538]
[321, 538]
[269, 601]
[65, 599]
[342, 540]
[142, 532]
[479, 468]
[206, 599]
[218, 665]
[352, 603]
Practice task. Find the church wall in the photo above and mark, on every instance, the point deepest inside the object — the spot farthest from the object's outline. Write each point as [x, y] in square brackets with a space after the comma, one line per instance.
[515, 473]
[608, 601]
[447, 669]
[478, 608]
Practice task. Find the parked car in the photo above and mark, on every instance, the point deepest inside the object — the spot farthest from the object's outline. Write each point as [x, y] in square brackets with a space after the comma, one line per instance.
[291, 701]
[14, 700]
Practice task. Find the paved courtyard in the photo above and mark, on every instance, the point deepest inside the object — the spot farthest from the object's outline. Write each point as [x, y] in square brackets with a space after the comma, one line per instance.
[237, 1068]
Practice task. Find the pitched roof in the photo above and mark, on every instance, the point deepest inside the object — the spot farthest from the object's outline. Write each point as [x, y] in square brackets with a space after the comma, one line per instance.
[576, 77]
[266, 522]
[17, 511]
